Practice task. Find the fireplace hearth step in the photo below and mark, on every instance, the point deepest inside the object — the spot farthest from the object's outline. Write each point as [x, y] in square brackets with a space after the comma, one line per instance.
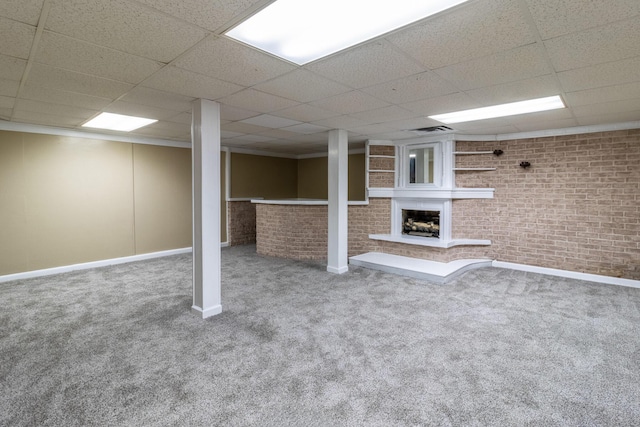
[433, 271]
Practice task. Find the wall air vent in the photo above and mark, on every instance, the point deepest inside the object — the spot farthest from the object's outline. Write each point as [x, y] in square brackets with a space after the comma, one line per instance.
[438, 129]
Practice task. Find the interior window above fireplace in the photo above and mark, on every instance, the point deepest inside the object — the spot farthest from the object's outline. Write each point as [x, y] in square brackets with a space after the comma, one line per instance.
[421, 165]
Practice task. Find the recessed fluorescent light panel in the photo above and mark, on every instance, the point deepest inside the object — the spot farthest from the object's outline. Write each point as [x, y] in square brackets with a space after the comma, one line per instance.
[119, 122]
[303, 31]
[502, 110]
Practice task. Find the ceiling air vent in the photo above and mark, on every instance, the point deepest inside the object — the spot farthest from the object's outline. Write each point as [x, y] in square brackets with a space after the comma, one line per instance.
[438, 129]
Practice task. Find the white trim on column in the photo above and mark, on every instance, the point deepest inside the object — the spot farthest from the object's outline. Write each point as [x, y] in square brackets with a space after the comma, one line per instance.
[568, 274]
[338, 229]
[91, 264]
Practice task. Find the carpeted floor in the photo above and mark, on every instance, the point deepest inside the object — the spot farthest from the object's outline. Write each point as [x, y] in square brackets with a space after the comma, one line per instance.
[297, 346]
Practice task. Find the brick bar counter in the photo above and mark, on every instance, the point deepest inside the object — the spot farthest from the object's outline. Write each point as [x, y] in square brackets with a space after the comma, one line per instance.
[292, 228]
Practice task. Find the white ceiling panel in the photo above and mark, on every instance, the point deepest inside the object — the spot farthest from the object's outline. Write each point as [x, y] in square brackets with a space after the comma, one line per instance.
[5, 113]
[503, 67]
[227, 112]
[185, 119]
[541, 116]
[478, 29]
[605, 108]
[55, 96]
[244, 128]
[413, 88]
[137, 110]
[231, 61]
[46, 119]
[9, 87]
[442, 104]
[71, 54]
[306, 128]
[340, 122]
[209, 14]
[12, 68]
[152, 97]
[56, 78]
[604, 94]
[302, 86]
[370, 64]
[6, 102]
[595, 46]
[525, 126]
[16, 38]
[601, 75]
[27, 11]
[554, 18]
[25, 105]
[616, 117]
[350, 102]
[306, 113]
[385, 114]
[255, 100]
[187, 83]
[124, 25]
[280, 134]
[537, 87]
[270, 121]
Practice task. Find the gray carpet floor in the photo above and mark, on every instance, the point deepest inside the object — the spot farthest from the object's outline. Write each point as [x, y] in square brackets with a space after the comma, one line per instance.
[297, 346]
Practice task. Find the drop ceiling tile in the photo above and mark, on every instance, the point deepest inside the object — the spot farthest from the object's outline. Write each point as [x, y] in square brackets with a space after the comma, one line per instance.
[256, 138]
[497, 130]
[255, 100]
[130, 109]
[306, 128]
[56, 78]
[367, 65]
[607, 108]
[442, 104]
[604, 94]
[391, 136]
[189, 84]
[280, 134]
[6, 102]
[474, 30]
[270, 121]
[6, 113]
[25, 105]
[226, 134]
[46, 119]
[16, 37]
[157, 98]
[184, 118]
[503, 67]
[482, 125]
[227, 112]
[231, 61]
[542, 116]
[384, 114]
[244, 128]
[209, 14]
[413, 88]
[594, 46]
[302, 86]
[555, 18]
[350, 102]
[55, 96]
[413, 123]
[551, 124]
[306, 113]
[9, 87]
[536, 87]
[340, 122]
[27, 11]
[163, 129]
[613, 73]
[372, 129]
[12, 68]
[604, 118]
[72, 54]
[124, 25]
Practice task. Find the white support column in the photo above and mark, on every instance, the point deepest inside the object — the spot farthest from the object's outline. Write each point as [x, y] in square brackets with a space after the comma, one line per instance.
[337, 260]
[205, 155]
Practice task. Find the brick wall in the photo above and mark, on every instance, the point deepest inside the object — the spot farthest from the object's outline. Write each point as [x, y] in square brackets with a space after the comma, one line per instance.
[576, 208]
[242, 222]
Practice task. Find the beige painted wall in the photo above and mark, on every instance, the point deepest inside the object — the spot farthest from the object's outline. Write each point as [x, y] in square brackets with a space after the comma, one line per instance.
[263, 176]
[313, 178]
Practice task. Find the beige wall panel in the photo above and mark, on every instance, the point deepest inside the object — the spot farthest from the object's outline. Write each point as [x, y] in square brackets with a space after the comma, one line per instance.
[313, 179]
[79, 200]
[262, 176]
[162, 183]
[223, 196]
[13, 226]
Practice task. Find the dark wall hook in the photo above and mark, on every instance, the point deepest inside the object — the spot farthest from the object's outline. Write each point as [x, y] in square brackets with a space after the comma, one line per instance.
[498, 152]
[525, 164]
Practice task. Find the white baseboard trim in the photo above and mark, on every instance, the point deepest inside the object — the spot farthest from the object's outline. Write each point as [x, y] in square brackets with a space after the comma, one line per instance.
[208, 312]
[92, 264]
[225, 244]
[569, 274]
[339, 270]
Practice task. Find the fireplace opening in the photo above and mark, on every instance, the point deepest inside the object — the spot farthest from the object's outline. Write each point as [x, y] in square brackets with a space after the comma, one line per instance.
[421, 223]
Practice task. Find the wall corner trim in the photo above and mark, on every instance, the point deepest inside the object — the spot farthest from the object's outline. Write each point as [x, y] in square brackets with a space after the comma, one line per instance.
[588, 277]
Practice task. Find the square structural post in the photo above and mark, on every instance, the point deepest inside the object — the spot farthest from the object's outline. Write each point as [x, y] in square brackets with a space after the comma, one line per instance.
[205, 156]
[337, 257]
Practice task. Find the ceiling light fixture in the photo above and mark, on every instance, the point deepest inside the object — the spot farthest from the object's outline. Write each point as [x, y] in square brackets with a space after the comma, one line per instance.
[502, 110]
[303, 31]
[119, 122]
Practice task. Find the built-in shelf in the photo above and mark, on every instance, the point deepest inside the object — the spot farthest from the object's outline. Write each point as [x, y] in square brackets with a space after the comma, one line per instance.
[434, 193]
[380, 156]
[474, 169]
[381, 170]
[431, 242]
